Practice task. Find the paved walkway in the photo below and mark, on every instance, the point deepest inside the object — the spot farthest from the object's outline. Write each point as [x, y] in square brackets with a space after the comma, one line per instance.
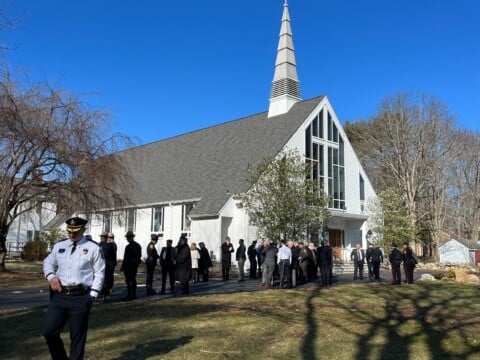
[33, 298]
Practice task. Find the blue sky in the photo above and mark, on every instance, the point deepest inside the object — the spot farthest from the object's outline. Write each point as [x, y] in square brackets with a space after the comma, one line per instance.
[163, 68]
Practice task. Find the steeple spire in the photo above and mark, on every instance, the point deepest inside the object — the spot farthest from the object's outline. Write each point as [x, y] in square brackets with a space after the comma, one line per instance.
[285, 85]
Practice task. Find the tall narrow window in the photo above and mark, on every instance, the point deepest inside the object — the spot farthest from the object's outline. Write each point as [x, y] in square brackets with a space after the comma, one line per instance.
[130, 216]
[362, 188]
[186, 222]
[321, 165]
[320, 125]
[315, 127]
[308, 142]
[107, 222]
[158, 219]
[329, 127]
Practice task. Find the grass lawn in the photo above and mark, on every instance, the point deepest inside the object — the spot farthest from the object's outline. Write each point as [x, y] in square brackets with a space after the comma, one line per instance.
[23, 275]
[427, 320]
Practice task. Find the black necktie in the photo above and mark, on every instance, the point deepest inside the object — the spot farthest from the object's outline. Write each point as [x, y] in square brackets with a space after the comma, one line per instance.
[74, 247]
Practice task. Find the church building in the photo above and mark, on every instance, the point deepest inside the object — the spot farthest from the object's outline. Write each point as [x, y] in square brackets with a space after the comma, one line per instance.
[187, 184]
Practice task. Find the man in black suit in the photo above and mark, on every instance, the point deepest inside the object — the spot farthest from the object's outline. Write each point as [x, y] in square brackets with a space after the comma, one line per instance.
[358, 258]
[167, 262]
[324, 261]
[396, 258]
[368, 256]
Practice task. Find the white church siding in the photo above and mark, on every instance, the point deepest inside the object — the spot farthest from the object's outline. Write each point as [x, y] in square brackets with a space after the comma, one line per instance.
[29, 225]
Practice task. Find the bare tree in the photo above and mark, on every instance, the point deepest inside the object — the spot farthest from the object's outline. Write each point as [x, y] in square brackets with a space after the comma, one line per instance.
[52, 149]
[408, 145]
[465, 187]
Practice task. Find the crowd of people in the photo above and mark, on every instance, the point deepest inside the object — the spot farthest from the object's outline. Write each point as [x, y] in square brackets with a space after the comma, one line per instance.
[292, 263]
[79, 271]
[296, 263]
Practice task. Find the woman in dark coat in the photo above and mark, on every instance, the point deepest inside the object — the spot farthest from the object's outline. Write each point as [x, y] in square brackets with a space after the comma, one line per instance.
[227, 250]
[409, 262]
[204, 263]
[183, 269]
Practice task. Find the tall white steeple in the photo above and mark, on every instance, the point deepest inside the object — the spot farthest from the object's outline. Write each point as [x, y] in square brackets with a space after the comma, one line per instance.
[285, 85]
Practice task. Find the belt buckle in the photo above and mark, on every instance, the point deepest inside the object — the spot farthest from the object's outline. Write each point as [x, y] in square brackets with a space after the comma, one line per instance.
[67, 291]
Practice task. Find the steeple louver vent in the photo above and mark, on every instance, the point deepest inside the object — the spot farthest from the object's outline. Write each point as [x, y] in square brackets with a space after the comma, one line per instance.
[285, 85]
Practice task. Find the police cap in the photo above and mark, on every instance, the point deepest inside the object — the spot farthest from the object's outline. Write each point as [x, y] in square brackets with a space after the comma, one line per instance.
[76, 224]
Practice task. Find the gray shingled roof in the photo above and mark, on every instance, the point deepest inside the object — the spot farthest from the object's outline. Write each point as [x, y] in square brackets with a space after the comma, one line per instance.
[469, 243]
[204, 164]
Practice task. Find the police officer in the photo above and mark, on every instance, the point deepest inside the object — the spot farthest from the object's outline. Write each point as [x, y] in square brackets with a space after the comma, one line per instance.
[152, 257]
[167, 262]
[74, 270]
[131, 260]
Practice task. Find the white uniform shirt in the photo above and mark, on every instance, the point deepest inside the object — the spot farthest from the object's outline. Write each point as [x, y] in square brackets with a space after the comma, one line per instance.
[284, 253]
[85, 266]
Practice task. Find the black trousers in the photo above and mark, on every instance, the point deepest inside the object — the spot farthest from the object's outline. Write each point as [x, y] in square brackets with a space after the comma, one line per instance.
[204, 272]
[396, 274]
[376, 269]
[75, 309]
[325, 273]
[253, 268]
[131, 281]
[358, 268]
[170, 272]
[285, 275]
[370, 270]
[408, 273]
[150, 272]
[225, 272]
[109, 279]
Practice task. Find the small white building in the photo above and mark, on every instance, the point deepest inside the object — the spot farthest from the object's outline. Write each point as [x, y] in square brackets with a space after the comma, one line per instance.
[459, 252]
[29, 225]
[187, 184]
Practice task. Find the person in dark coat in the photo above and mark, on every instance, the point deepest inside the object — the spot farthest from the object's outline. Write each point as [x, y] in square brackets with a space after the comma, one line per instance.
[409, 262]
[167, 262]
[252, 257]
[303, 261]
[204, 263]
[368, 257]
[294, 266]
[241, 257]
[324, 261]
[131, 261]
[183, 265]
[377, 259]
[358, 258]
[260, 259]
[152, 258]
[109, 250]
[227, 250]
[396, 258]
[270, 256]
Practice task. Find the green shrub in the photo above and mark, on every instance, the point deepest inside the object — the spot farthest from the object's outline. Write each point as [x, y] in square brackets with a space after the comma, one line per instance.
[35, 250]
[438, 274]
[451, 274]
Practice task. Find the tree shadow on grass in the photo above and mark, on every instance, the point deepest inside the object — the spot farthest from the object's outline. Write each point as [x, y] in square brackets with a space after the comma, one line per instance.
[308, 346]
[400, 319]
[160, 347]
[410, 316]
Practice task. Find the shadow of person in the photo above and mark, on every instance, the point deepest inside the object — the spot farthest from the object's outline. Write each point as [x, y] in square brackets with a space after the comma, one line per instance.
[160, 347]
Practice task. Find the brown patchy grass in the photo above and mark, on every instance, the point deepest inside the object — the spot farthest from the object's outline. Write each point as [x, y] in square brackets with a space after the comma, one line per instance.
[362, 321]
[22, 275]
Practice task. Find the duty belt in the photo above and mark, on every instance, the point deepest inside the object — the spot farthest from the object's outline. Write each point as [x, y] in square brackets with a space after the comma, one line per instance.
[77, 290]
